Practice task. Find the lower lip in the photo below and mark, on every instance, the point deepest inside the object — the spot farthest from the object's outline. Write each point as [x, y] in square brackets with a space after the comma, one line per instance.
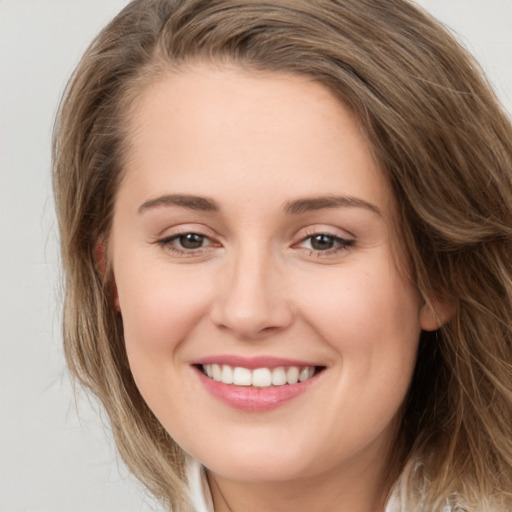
[249, 398]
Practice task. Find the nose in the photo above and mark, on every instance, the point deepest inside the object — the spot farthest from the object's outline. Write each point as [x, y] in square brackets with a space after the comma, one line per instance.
[251, 301]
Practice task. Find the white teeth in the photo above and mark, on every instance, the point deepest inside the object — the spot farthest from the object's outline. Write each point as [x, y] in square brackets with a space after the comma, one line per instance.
[278, 376]
[292, 375]
[242, 376]
[216, 371]
[227, 374]
[305, 374]
[260, 377]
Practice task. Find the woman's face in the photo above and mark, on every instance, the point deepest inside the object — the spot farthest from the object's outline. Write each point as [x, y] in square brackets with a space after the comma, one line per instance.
[252, 240]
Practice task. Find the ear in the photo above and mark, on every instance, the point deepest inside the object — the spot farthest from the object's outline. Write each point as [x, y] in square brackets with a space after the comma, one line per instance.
[435, 313]
[101, 262]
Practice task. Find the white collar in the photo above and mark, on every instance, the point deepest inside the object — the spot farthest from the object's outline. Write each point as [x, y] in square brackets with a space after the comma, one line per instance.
[198, 488]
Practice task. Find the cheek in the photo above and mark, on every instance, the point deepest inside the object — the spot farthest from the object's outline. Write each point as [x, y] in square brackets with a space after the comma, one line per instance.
[370, 317]
[160, 306]
[370, 320]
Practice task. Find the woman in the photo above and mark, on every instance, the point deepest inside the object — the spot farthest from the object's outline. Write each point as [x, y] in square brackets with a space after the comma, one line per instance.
[286, 229]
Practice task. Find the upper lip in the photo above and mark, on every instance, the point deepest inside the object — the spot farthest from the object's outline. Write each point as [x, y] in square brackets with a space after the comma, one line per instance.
[253, 362]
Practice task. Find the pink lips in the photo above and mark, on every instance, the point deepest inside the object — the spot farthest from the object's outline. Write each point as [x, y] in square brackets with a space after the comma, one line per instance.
[250, 398]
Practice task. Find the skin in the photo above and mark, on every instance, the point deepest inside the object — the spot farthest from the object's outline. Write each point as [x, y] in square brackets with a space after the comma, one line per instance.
[253, 143]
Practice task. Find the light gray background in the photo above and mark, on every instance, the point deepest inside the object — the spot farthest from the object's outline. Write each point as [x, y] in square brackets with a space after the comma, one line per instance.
[53, 459]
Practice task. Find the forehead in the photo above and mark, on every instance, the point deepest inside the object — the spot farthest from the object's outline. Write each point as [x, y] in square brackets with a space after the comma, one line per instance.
[207, 128]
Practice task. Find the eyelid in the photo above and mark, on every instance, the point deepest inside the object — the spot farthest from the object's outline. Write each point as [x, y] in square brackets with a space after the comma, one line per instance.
[342, 242]
[324, 229]
[183, 228]
[166, 240]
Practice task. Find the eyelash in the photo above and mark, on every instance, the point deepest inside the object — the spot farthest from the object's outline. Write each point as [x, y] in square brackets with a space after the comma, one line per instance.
[167, 243]
[340, 244]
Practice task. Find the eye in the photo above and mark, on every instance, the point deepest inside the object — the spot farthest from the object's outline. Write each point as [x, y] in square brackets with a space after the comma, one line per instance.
[190, 240]
[187, 243]
[325, 243]
[321, 242]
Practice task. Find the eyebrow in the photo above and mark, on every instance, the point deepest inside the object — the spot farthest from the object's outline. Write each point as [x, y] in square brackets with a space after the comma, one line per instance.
[296, 207]
[319, 203]
[197, 203]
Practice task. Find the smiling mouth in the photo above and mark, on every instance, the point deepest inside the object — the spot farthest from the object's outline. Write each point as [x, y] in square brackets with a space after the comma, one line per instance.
[259, 377]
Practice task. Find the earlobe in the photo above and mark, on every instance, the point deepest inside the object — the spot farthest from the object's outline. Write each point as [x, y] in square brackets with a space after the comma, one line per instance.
[434, 314]
[101, 261]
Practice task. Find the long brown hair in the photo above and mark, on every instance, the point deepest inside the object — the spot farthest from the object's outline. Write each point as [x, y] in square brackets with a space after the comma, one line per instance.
[439, 135]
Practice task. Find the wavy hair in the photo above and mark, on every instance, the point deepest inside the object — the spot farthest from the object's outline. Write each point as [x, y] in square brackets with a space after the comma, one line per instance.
[440, 136]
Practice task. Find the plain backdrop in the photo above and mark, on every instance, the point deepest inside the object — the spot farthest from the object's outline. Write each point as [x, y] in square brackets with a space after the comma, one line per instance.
[56, 454]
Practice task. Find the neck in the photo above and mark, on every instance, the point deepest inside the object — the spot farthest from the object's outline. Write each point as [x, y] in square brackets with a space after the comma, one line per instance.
[362, 489]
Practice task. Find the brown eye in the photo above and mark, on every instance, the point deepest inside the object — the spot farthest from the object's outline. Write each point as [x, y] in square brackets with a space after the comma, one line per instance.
[325, 244]
[188, 243]
[322, 242]
[191, 241]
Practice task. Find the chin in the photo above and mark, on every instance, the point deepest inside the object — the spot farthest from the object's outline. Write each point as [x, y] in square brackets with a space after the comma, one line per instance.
[258, 471]
[260, 463]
